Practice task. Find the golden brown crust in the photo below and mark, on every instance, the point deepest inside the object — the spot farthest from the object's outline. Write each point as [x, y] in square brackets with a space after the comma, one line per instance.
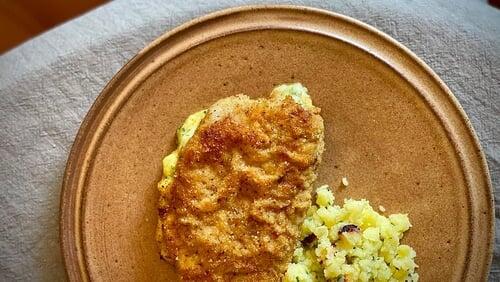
[243, 184]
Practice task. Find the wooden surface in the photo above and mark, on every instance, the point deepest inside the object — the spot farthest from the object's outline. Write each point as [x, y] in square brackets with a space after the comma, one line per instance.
[22, 19]
[391, 125]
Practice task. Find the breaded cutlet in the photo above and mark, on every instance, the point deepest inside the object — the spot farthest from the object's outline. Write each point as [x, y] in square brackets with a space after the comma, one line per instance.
[242, 186]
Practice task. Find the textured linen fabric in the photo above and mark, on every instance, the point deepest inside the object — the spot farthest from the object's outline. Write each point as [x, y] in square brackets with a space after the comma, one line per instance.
[48, 84]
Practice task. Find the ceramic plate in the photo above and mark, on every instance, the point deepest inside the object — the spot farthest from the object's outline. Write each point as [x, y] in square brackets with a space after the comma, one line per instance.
[392, 127]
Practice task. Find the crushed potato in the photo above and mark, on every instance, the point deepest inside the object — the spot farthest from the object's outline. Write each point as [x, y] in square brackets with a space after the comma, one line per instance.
[351, 243]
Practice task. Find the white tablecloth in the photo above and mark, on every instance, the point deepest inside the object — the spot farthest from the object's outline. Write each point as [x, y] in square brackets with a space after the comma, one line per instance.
[48, 84]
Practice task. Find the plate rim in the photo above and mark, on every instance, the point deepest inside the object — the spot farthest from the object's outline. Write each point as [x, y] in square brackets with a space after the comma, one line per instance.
[69, 201]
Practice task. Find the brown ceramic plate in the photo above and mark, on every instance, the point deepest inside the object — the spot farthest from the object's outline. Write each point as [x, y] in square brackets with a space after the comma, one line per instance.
[392, 127]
